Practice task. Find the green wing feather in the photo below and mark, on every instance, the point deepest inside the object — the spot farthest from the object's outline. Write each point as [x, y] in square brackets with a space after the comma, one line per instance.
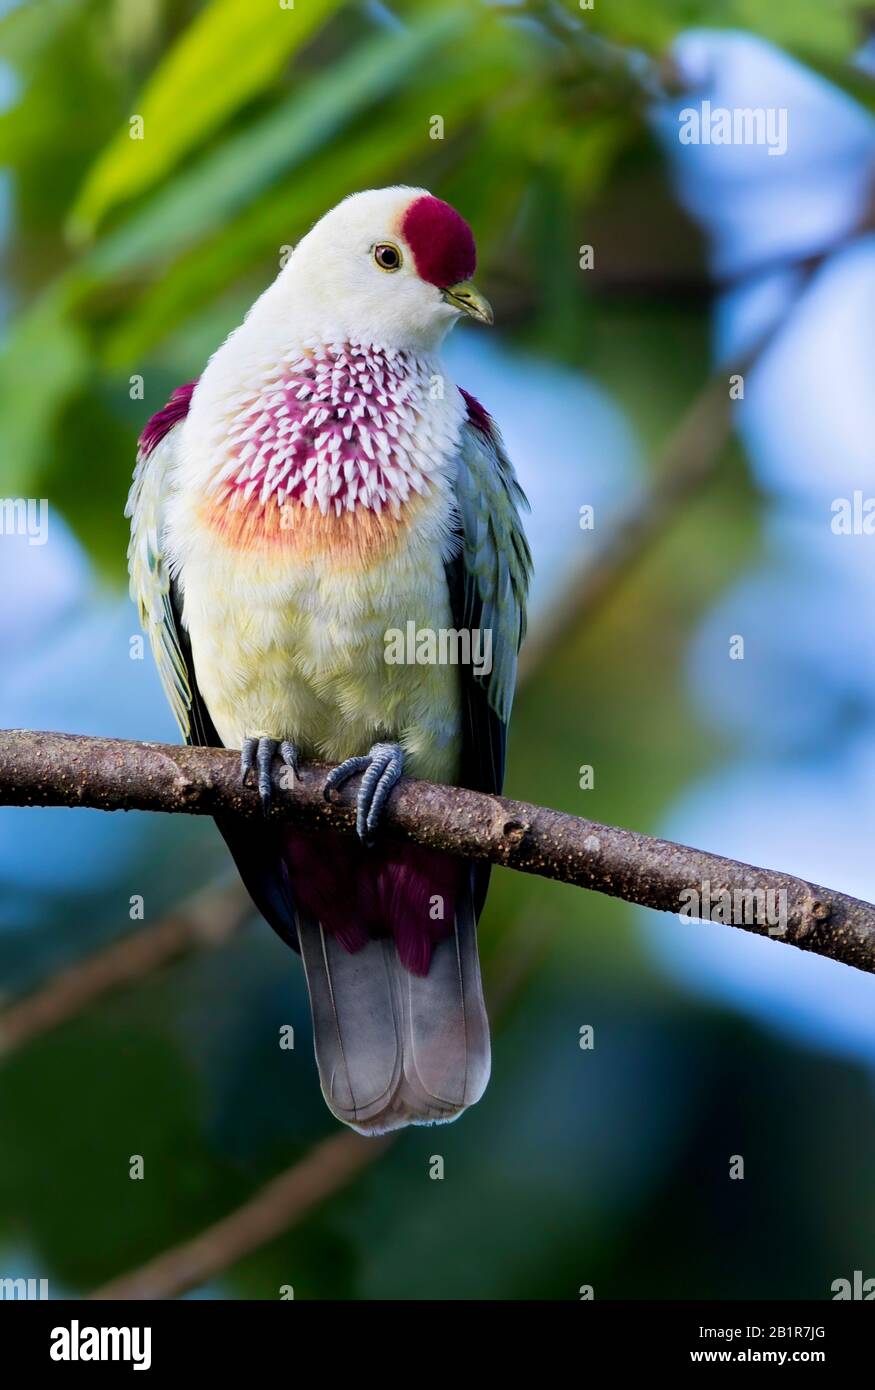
[489, 582]
[151, 583]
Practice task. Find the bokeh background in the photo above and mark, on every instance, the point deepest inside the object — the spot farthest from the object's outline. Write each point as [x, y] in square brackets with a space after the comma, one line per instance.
[128, 260]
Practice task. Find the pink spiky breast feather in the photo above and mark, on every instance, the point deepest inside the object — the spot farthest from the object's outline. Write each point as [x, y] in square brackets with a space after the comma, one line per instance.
[332, 452]
[327, 453]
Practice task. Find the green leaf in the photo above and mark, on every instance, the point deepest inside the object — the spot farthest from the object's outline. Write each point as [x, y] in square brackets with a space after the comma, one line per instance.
[461, 85]
[828, 27]
[42, 364]
[26, 30]
[230, 52]
[201, 199]
[830, 30]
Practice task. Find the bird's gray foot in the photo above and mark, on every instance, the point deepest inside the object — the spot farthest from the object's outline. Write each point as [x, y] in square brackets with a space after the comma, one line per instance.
[258, 753]
[382, 767]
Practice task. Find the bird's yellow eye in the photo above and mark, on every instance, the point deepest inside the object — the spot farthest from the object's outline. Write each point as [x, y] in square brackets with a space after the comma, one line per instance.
[387, 256]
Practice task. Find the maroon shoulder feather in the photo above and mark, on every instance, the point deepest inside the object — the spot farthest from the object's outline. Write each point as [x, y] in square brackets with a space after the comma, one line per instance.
[164, 419]
[478, 415]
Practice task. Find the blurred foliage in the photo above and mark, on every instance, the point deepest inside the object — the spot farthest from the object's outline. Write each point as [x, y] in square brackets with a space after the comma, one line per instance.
[134, 258]
[255, 118]
[812, 27]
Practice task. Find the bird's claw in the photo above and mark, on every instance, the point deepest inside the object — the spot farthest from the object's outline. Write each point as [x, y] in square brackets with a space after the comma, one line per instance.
[382, 767]
[258, 753]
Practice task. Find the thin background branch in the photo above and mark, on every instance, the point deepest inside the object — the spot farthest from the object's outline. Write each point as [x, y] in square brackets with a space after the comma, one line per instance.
[284, 1201]
[210, 918]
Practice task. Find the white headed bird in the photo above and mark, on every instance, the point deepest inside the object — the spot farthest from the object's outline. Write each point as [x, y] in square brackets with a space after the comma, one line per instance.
[319, 490]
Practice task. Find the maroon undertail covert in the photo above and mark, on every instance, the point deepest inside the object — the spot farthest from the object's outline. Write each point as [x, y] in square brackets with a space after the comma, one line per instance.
[358, 894]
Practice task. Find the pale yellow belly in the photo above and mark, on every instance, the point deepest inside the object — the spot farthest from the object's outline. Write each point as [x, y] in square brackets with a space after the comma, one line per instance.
[302, 656]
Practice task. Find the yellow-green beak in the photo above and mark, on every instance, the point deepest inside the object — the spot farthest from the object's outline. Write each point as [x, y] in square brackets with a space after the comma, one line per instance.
[469, 301]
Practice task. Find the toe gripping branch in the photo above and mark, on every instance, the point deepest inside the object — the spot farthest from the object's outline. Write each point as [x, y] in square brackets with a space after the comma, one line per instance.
[259, 753]
[381, 767]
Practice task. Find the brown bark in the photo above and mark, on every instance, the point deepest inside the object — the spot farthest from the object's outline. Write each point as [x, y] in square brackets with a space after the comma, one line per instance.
[45, 769]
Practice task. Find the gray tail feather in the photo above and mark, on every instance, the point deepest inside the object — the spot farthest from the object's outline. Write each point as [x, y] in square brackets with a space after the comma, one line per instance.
[396, 1049]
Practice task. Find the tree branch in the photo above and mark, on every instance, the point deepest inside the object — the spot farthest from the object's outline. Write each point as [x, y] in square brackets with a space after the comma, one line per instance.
[210, 919]
[327, 1167]
[688, 460]
[286, 1199]
[45, 769]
